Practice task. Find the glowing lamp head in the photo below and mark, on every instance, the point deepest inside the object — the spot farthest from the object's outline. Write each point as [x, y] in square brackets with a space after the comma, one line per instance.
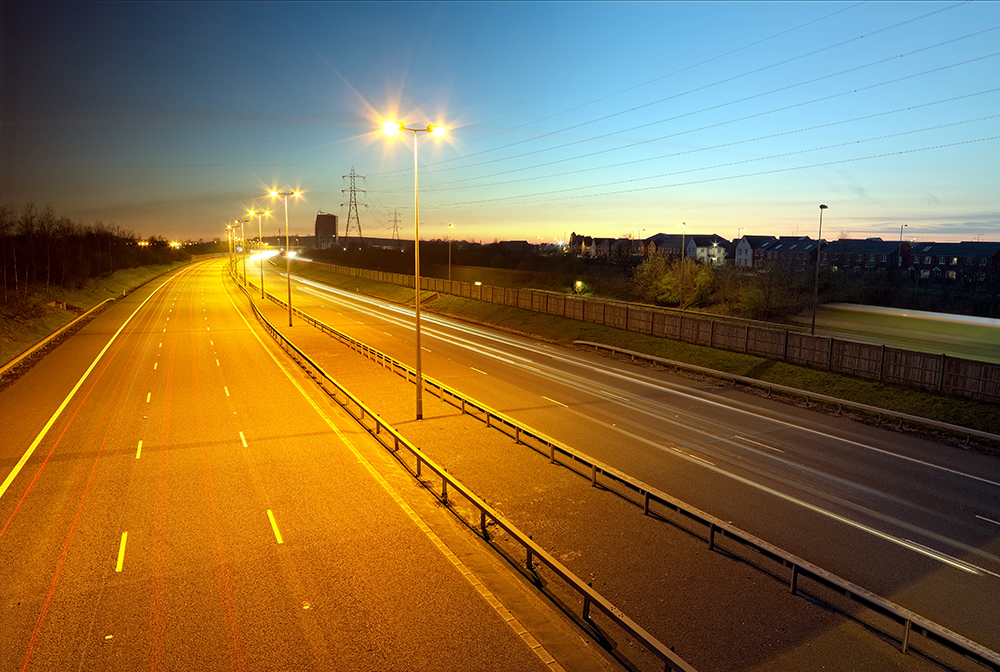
[437, 130]
[390, 127]
[274, 194]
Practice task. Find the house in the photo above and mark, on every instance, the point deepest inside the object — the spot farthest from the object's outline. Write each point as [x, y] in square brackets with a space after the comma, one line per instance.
[662, 243]
[863, 255]
[750, 250]
[969, 261]
[707, 249]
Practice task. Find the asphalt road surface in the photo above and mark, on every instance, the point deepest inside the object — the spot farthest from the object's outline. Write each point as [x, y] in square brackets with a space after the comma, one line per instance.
[909, 519]
[174, 497]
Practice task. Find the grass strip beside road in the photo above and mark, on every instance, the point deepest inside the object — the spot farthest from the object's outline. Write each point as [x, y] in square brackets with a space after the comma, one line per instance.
[943, 408]
[30, 322]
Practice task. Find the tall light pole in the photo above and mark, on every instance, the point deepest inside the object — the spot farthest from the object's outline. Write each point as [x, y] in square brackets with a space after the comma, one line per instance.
[229, 236]
[288, 251]
[243, 240]
[899, 253]
[683, 255]
[819, 244]
[260, 242]
[390, 128]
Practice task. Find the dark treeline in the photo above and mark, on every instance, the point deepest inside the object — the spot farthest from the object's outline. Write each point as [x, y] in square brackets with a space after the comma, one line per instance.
[40, 250]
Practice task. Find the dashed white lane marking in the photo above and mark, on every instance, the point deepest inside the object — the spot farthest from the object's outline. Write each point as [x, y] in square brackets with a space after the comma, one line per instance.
[478, 371]
[558, 403]
[226, 388]
[148, 395]
[243, 439]
[138, 450]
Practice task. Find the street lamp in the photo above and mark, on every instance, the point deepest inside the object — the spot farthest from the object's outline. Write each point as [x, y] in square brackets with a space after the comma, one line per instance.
[260, 242]
[899, 253]
[390, 128]
[288, 256]
[819, 244]
[229, 237]
[243, 240]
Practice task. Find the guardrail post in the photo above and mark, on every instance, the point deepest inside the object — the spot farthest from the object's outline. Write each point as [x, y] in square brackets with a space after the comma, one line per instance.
[419, 464]
[645, 504]
[552, 453]
[444, 489]
[711, 536]
[593, 475]
[482, 521]
[586, 607]
[906, 635]
[531, 563]
[794, 585]
[517, 435]
[487, 418]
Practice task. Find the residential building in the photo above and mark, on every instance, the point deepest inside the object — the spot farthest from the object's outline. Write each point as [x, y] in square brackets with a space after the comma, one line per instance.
[864, 255]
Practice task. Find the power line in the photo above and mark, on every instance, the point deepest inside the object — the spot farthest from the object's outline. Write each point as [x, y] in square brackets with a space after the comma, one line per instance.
[521, 198]
[702, 88]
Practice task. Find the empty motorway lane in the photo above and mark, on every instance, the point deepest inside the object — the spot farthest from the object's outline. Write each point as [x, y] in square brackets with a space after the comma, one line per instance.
[175, 498]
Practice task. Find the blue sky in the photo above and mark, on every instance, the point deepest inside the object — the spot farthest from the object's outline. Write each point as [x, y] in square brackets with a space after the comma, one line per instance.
[600, 118]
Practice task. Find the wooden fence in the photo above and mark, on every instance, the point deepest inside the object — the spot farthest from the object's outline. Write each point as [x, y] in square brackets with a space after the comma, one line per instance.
[941, 373]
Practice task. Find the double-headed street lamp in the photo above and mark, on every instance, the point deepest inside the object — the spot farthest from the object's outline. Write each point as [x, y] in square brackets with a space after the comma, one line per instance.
[288, 258]
[819, 245]
[260, 242]
[390, 128]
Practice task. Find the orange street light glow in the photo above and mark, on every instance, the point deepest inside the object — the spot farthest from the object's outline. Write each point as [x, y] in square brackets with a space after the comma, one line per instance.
[390, 127]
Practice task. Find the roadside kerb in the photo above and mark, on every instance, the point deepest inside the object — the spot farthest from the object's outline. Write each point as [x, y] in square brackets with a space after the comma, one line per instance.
[393, 441]
[799, 568]
[791, 391]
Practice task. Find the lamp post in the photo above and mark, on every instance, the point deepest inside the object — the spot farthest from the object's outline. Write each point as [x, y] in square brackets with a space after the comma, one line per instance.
[899, 253]
[819, 244]
[229, 237]
[260, 242]
[243, 240]
[288, 257]
[390, 128]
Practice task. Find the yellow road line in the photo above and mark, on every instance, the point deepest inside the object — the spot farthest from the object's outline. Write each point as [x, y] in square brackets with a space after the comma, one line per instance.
[274, 526]
[55, 416]
[121, 552]
[138, 451]
[243, 439]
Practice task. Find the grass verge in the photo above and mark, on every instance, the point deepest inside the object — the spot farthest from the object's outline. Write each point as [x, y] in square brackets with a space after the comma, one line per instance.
[28, 322]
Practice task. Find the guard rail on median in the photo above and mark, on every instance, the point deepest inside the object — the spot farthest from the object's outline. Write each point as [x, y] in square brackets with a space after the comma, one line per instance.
[393, 441]
[603, 475]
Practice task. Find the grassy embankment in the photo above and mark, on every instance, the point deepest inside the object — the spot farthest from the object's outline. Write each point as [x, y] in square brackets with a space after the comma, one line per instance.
[34, 320]
[943, 408]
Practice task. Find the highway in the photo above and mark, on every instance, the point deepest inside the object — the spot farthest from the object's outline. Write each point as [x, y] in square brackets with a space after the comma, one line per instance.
[909, 519]
[176, 497]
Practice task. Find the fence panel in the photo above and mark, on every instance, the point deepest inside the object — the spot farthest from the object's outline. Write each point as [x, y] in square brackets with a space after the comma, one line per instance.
[593, 311]
[696, 330]
[666, 325]
[555, 305]
[616, 316]
[538, 301]
[574, 309]
[640, 321]
[809, 350]
[859, 359]
[968, 378]
[915, 369]
[728, 336]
